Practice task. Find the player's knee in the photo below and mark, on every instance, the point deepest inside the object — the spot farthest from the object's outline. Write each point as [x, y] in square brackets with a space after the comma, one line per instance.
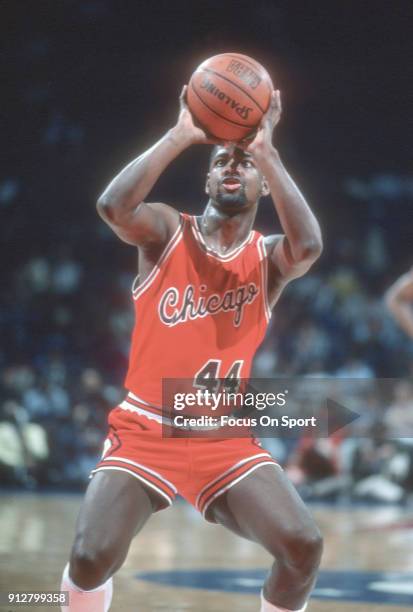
[302, 550]
[91, 566]
[311, 551]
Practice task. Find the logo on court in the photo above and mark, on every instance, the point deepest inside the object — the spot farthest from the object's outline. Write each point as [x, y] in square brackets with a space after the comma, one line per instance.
[362, 587]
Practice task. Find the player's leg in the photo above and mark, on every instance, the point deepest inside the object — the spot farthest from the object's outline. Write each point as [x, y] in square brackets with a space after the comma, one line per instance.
[115, 508]
[265, 507]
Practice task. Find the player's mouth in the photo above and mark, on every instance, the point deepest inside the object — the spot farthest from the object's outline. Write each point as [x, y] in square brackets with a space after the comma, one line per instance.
[231, 184]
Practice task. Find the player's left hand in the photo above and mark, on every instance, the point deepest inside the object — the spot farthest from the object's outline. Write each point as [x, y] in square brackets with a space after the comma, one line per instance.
[260, 140]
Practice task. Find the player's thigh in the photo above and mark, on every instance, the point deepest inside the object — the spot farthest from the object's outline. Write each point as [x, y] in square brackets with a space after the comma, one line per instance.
[115, 507]
[265, 507]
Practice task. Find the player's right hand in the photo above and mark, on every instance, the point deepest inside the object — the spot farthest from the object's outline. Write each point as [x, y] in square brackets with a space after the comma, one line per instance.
[187, 127]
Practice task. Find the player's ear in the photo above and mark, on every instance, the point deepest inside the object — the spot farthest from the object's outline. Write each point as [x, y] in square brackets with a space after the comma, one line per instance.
[265, 188]
[207, 184]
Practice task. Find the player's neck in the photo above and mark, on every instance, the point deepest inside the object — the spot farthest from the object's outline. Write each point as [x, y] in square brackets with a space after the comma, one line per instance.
[225, 231]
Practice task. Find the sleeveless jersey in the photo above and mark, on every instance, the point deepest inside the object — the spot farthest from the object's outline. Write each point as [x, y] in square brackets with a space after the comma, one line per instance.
[198, 313]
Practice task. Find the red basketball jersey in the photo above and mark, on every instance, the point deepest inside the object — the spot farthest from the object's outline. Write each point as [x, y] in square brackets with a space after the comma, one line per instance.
[198, 313]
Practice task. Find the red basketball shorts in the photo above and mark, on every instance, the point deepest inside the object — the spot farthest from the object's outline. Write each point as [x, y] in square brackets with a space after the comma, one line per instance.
[198, 469]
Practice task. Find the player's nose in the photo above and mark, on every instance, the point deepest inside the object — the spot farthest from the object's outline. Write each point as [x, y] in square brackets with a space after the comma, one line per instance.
[232, 166]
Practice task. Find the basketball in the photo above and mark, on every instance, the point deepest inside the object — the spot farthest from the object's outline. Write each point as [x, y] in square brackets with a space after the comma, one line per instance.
[228, 95]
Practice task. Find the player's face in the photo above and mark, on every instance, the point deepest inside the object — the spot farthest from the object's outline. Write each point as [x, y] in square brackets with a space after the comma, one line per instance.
[234, 181]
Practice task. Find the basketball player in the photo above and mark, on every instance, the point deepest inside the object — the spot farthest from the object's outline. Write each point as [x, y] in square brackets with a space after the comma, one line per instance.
[399, 300]
[203, 300]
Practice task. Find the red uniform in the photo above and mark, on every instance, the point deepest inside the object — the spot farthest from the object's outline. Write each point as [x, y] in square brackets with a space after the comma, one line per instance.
[199, 315]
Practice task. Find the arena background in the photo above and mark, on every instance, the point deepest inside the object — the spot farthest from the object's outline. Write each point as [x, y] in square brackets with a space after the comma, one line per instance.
[87, 86]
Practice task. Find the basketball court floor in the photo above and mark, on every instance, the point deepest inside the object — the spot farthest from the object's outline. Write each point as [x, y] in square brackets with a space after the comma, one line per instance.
[181, 563]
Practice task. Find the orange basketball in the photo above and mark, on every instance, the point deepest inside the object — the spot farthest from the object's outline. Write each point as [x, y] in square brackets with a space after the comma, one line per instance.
[228, 95]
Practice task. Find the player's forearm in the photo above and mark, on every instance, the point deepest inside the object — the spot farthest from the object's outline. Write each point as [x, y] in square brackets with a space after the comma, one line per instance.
[296, 218]
[132, 185]
[402, 311]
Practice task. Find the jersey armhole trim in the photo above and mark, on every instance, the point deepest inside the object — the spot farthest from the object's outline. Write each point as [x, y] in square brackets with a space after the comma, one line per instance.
[139, 289]
[262, 253]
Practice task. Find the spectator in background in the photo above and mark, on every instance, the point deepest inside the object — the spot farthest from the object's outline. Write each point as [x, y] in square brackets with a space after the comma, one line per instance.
[399, 415]
[380, 468]
[24, 448]
[355, 367]
[314, 467]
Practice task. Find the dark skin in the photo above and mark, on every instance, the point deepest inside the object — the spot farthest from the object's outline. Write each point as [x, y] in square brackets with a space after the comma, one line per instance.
[149, 226]
[399, 301]
[263, 507]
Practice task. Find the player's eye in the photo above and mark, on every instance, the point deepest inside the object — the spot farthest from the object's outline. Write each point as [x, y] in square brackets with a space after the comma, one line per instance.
[220, 162]
[247, 164]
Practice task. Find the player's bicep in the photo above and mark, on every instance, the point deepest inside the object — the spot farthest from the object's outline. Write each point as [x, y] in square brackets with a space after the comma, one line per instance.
[282, 261]
[147, 224]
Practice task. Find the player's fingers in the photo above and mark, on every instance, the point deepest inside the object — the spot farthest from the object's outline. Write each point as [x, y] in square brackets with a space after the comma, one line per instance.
[182, 97]
[273, 101]
[246, 141]
[208, 138]
[278, 99]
